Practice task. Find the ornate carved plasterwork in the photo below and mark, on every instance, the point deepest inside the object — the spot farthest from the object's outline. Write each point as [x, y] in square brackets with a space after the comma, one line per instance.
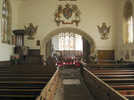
[30, 30]
[67, 14]
[104, 31]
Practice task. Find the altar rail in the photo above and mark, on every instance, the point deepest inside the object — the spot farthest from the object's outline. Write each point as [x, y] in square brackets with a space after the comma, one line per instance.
[99, 89]
[49, 90]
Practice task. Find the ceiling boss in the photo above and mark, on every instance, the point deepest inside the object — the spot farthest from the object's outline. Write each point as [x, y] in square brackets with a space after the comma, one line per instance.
[67, 14]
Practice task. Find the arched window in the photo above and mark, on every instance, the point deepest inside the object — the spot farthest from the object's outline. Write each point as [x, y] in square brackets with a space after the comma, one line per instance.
[128, 31]
[70, 41]
[6, 34]
[68, 44]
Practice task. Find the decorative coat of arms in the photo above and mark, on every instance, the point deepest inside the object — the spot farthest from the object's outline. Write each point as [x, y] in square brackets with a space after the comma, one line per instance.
[104, 30]
[30, 31]
[67, 14]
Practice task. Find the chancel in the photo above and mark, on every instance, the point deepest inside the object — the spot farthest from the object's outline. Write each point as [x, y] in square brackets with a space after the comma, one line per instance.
[66, 50]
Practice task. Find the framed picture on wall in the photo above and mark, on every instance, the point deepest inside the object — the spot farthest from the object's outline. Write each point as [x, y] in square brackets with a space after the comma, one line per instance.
[38, 42]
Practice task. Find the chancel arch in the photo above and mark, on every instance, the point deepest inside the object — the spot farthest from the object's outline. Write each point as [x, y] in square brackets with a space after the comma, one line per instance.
[85, 35]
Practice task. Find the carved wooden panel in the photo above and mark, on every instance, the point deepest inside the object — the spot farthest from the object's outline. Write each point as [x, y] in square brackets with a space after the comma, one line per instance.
[99, 89]
[104, 55]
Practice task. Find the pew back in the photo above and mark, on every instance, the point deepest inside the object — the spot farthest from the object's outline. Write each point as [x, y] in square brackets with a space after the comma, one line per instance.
[99, 89]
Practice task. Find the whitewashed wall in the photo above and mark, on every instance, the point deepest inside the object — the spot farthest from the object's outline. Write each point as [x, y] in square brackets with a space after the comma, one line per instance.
[5, 49]
[93, 13]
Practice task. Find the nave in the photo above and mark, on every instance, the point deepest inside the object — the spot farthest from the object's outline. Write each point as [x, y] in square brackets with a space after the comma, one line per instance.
[115, 80]
[104, 30]
[102, 82]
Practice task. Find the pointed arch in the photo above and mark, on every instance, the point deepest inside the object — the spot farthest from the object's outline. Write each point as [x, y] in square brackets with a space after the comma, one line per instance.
[128, 9]
[6, 21]
[128, 34]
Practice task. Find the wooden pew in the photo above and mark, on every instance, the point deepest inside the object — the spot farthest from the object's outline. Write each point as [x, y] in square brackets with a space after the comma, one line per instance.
[115, 76]
[130, 97]
[110, 66]
[96, 86]
[120, 87]
[107, 70]
[22, 82]
[126, 92]
[114, 73]
[22, 86]
[119, 78]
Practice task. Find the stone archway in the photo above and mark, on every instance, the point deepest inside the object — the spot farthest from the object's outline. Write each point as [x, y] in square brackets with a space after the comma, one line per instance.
[67, 29]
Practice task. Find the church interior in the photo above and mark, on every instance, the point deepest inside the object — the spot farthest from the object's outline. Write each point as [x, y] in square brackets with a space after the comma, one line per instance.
[66, 49]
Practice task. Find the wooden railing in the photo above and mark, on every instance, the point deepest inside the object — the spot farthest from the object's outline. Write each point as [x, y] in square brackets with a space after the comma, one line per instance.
[99, 89]
[49, 90]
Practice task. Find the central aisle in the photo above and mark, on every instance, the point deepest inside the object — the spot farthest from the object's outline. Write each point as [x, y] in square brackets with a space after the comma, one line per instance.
[73, 87]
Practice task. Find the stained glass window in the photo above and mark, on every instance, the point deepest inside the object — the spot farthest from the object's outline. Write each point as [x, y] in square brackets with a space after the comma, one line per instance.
[128, 30]
[5, 22]
[70, 41]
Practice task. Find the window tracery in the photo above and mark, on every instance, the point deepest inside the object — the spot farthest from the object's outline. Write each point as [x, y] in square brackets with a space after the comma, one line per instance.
[5, 22]
[128, 31]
